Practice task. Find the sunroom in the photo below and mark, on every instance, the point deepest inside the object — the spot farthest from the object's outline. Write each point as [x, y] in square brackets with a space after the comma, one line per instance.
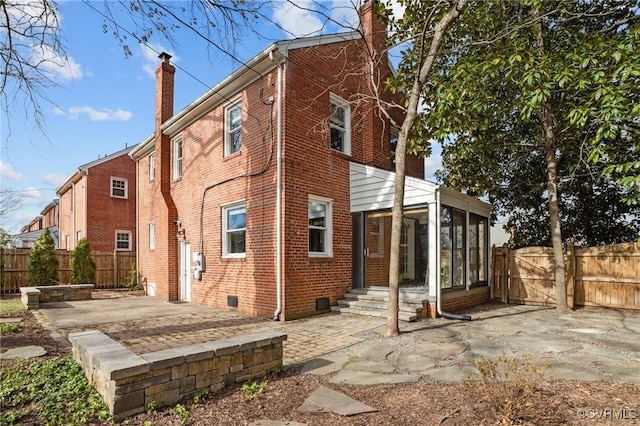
[444, 250]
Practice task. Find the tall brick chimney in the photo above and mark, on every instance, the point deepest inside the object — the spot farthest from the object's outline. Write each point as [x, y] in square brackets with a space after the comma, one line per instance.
[375, 128]
[165, 211]
[374, 29]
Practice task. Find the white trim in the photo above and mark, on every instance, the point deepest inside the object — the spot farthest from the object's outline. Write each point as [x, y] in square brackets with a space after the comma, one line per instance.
[125, 187]
[328, 226]
[225, 230]
[177, 162]
[346, 129]
[152, 235]
[130, 242]
[152, 166]
[237, 103]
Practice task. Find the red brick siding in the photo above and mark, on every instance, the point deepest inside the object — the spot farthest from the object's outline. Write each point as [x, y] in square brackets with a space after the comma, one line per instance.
[106, 214]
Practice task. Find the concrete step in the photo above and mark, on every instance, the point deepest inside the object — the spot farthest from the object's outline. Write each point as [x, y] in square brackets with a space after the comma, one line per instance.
[384, 297]
[377, 305]
[402, 316]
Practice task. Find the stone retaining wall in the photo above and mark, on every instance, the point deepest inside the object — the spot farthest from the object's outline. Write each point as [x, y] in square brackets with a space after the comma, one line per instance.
[32, 297]
[129, 382]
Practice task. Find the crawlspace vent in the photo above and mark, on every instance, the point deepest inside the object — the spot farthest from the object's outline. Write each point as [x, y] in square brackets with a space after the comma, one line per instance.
[322, 304]
[232, 301]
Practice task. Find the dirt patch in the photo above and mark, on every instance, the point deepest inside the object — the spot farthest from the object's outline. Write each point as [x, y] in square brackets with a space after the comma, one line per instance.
[423, 403]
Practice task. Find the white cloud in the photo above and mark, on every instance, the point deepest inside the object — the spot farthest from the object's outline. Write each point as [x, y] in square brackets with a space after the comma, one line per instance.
[106, 114]
[30, 195]
[150, 59]
[53, 179]
[396, 8]
[7, 172]
[56, 65]
[298, 20]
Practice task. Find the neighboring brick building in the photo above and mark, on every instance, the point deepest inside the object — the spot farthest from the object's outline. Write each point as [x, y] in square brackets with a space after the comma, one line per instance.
[262, 181]
[29, 233]
[98, 201]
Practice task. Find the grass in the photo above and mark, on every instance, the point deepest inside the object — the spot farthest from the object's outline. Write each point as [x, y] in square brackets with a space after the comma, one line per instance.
[55, 391]
[10, 327]
[10, 307]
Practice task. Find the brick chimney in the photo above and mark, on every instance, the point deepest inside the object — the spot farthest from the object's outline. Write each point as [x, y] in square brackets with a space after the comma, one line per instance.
[164, 90]
[165, 211]
[374, 29]
[375, 127]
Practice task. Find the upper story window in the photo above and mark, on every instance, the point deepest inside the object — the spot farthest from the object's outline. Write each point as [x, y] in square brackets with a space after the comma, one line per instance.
[152, 167]
[152, 236]
[177, 157]
[233, 128]
[234, 229]
[393, 143]
[340, 124]
[123, 240]
[320, 227]
[119, 187]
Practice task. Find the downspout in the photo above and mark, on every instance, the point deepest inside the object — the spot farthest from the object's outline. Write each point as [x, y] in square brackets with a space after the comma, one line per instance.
[75, 212]
[443, 314]
[138, 224]
[276, 314]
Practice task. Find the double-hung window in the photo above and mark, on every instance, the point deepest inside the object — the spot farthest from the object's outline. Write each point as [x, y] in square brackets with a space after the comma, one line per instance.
[152, 236]
[393, 143]
[234, 229]
[123, 240]
[233, 128]
[320, 226]
[177, 157]
[152, 167]
[340, 124]
[118, 187]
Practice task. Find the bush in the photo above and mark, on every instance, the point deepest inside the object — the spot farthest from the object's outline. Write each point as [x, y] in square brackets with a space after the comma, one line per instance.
[133, 281]
[511, 387]
[83, 268]
[43, 264]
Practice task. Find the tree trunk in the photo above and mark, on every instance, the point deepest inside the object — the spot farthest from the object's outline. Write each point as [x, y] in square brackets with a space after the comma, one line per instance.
[398, 200]
[547, 119]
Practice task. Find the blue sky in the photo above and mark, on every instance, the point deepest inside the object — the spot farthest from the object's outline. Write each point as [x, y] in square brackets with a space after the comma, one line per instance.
[105, 101]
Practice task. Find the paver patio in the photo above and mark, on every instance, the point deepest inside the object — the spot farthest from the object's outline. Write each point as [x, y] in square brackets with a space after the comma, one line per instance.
[591, 344]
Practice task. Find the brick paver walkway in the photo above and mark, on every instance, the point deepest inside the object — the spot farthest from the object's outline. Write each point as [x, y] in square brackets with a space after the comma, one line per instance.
[307, 338]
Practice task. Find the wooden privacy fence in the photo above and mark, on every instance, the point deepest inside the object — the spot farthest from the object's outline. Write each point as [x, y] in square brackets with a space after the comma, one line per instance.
[112, 268]
[596, 276]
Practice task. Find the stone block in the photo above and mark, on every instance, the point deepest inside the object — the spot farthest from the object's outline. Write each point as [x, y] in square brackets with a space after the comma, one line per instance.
[168, 397]
[188, 384]
[164, 358]
[224, 367]
[223, 347]
[236, 368]
[179, 371]
[201, 366]
[172, 384]
[154, 389]
[125, 367]
[128, 402]
[216, 387]
[197, 352]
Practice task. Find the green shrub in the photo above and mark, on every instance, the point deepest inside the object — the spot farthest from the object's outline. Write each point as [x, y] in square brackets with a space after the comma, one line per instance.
[252, 390]
[83, 268]
[133, 282]
[55, 391]
[43, 264]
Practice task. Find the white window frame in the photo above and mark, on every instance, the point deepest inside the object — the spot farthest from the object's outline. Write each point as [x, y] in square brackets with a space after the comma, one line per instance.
[226, 208]
[129, 242]
[125, 189]
[152, 167]
[178, 154]
[228, 132]
[393, 133]
[338, 102]
[152, 235]
[327, 228]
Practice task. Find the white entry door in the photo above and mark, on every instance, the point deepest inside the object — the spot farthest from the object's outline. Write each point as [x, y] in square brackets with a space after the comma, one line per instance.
[185, 271]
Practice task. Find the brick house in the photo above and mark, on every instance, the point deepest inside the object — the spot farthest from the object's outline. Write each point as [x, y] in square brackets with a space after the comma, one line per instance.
[258, 195]
[98, 201]
[30, 233]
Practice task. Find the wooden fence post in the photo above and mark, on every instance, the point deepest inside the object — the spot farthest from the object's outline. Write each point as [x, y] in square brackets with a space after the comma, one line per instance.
[571, 274]
[115, 268]
[505, 275]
